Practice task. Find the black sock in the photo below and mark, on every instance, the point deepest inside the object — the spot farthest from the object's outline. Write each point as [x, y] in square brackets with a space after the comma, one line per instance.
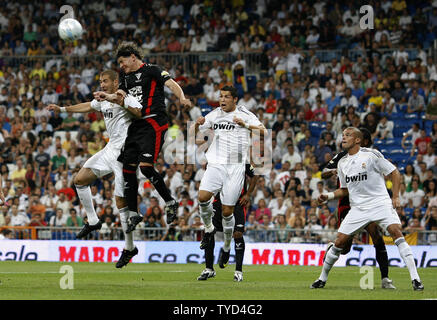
[131, 187]
[239, 253]
[157, 181]
[382, 259]
[209, 255]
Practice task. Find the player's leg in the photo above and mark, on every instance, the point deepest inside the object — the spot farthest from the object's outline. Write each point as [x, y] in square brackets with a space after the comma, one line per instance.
[352, 223]
[82, 182]
[231, 191]
[381, 254]
[239, 243]
[206, 213]
[129, 250]
[406, 254]
[129, 158]
[210, 184]
[209, 272]
[388, 219]
[150, 147]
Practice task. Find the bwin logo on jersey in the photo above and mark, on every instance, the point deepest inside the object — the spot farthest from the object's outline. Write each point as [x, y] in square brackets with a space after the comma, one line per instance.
[108, 114]
[224, 126]
[359, 177]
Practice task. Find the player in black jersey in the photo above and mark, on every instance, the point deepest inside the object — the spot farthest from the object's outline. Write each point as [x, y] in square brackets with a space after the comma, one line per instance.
[373, 229]
[146, 135]
[240, 219]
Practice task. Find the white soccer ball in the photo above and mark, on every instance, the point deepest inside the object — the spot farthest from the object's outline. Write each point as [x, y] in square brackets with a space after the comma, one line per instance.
[70, 29]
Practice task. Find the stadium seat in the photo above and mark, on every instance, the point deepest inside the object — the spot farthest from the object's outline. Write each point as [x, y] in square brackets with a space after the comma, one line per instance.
[205, 109]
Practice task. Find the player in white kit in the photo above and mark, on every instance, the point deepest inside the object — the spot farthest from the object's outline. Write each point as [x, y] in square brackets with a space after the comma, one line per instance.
[361, 173]
[117, 120]
[226, 156]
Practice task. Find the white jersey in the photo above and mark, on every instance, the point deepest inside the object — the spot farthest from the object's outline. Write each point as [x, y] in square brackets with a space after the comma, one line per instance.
[230, 144]
[117, 119]
[363, 175]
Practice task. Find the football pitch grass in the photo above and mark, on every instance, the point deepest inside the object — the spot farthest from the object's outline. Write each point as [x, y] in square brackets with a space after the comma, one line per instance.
[102, 281]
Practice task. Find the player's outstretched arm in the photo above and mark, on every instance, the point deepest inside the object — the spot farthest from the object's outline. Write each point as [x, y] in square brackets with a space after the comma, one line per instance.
[77, 108]
[328, 173]
[339, 193]
[116, 97]
[178, 92]
[132, 105]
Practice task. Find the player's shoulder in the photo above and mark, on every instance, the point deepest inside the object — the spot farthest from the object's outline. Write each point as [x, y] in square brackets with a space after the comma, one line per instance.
[244, 110]
[213, 113]
[372, 152]
[333, 163]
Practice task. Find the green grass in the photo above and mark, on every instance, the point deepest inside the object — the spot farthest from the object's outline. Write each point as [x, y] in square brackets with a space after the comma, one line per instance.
[41, 280]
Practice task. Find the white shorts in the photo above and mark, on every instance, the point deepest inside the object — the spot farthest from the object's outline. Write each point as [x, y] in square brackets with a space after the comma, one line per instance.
[105, 162]
[228, 179]
[357, 219]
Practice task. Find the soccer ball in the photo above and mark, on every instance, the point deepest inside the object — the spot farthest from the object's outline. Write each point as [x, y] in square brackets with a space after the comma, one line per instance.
[70, 29]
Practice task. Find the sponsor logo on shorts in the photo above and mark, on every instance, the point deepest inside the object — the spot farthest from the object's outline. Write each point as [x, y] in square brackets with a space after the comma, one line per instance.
[147, 155]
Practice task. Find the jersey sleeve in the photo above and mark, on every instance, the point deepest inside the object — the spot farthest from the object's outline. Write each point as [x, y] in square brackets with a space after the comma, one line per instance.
[96, 105]
[341, 177]
[160, 75]
[130, 101]
[253, 120]
[122, 82]
[384, 166]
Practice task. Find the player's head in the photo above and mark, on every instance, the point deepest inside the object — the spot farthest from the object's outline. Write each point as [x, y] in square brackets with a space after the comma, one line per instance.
[351, 137]
[228, 98]
[367, 138]
[109, 81]
[128, 56]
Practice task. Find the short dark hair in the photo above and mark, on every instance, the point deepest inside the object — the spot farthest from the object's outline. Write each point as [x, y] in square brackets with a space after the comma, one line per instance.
[232, 90]
[366, 136]
[125, 49]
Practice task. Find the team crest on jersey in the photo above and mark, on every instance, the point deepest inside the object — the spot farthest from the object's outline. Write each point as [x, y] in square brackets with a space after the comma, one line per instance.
[363, 165]
[138, 75]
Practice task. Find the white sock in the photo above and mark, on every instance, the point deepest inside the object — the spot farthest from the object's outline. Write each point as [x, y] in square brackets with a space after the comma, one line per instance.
[206, 213]
[331, 257]
[128, 237]
[228, 228]
[85, 197]
[407, 256]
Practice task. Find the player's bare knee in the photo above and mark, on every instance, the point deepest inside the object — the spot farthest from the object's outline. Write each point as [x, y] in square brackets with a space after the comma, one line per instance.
[204, 196]
[120, 202]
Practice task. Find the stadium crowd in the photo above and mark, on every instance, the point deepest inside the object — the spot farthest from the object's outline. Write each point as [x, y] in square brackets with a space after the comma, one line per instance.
[305, 99]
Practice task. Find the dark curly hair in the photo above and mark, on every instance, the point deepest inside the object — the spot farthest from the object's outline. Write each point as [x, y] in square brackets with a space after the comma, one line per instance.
[125, 49]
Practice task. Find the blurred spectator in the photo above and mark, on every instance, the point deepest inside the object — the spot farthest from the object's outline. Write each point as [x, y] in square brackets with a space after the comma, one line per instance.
[421, 144]
[384, 129]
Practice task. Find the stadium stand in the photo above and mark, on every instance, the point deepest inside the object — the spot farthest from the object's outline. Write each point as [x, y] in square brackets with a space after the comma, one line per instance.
[295, 60]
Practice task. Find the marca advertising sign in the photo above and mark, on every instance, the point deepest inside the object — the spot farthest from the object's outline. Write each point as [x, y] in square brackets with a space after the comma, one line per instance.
[189, 252]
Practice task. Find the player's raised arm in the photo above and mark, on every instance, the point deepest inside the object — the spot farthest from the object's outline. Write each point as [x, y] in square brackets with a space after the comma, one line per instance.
[178, 92]
[77, 108]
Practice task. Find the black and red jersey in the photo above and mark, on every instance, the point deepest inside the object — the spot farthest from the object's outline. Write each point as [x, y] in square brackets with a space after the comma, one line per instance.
[344, 201]
[147, 86]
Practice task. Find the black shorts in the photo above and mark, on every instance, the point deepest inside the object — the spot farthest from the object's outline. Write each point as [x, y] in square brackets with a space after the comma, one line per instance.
[239, 214]
[144, 141]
